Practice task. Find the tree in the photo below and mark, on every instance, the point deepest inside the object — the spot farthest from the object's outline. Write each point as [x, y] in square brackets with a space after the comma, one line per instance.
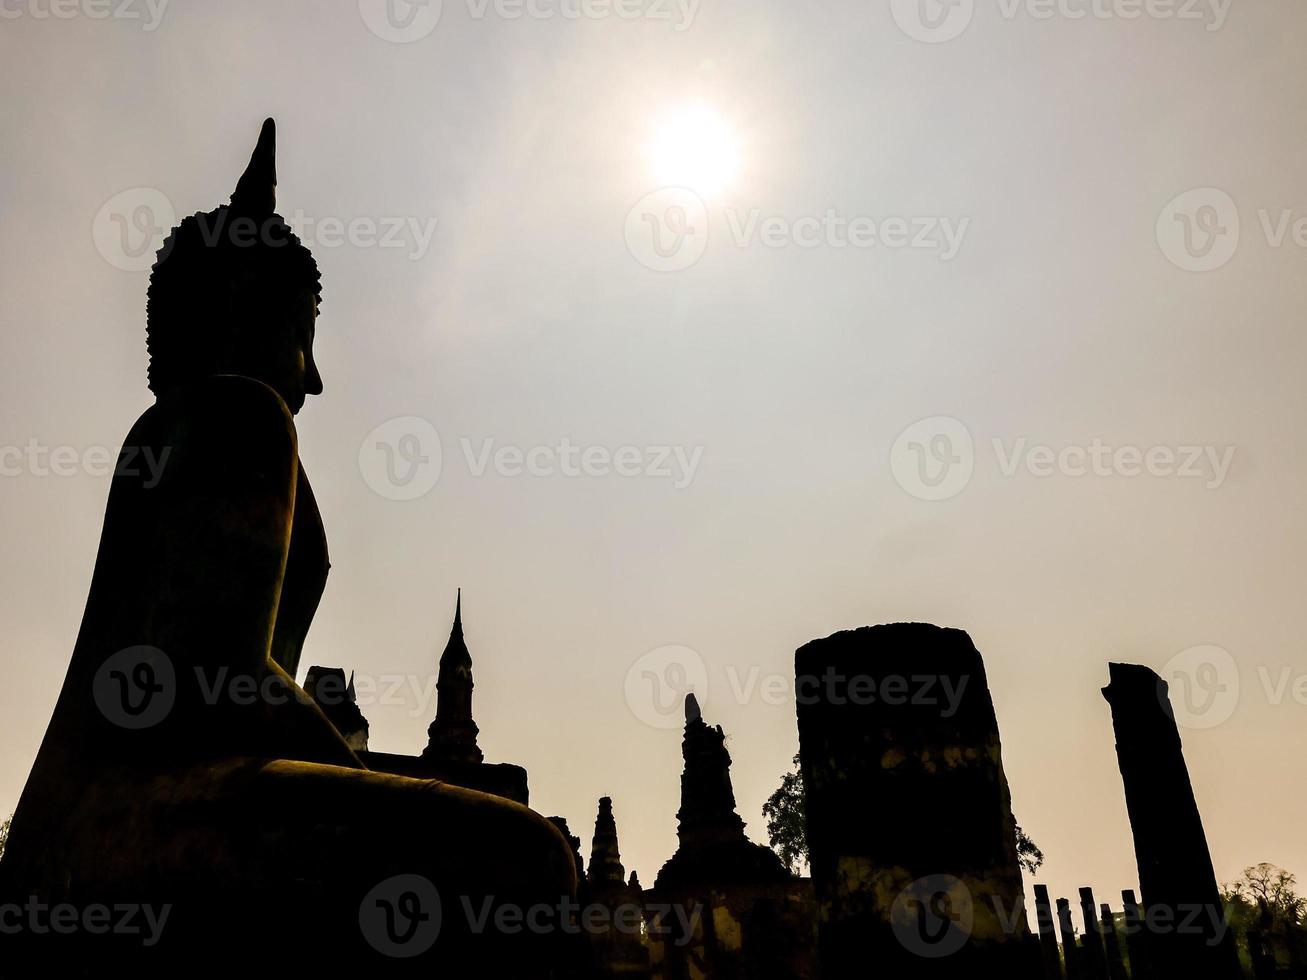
[787, 827]
[4, 834]
[1268, 916]
[1029, 856]
[1270, 891]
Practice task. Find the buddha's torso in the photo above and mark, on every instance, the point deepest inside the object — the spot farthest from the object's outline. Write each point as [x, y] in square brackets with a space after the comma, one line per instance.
[219, 560]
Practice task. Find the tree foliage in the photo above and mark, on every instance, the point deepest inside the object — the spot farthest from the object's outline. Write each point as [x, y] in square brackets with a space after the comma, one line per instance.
[1030, 857]
[1270, 892]
[786, 824]
[4, 834]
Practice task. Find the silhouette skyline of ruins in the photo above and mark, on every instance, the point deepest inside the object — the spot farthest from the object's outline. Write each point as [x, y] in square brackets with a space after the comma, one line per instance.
[184, 767]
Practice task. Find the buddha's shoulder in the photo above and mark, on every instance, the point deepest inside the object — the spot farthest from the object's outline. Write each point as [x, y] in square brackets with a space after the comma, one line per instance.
[222, 410]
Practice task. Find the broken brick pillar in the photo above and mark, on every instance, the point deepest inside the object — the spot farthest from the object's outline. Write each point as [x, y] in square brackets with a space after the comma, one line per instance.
[1140, 967]
[1112, 945]
[1070, 951]
[1186, 933]
[1047, 934]
[1095, 957]
[910, 828]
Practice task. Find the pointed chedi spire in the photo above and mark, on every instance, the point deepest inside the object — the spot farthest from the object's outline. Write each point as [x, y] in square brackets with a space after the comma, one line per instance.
[453, 735]
[256, 192]
[693, 712]
[605, 859]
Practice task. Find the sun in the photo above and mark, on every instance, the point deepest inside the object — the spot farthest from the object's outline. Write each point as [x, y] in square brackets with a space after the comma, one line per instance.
[694, 146]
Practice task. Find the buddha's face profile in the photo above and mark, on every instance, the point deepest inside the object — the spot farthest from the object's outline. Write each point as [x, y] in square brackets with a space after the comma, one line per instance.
[275, 346]
[234, 291]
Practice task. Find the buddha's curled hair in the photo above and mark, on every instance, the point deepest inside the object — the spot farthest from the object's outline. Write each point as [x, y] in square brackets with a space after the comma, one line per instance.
[239, 265]
[207, 278]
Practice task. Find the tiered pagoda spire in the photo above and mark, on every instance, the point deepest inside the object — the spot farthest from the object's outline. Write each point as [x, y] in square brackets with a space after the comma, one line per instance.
[452, 737]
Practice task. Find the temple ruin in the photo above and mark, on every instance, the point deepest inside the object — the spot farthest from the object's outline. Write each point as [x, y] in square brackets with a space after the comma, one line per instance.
[752, 918]
[1176, 877]
[451, 754]
[910, 826]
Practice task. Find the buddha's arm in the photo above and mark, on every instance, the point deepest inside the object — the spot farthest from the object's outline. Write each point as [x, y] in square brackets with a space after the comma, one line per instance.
[221, 535]
[222, 526]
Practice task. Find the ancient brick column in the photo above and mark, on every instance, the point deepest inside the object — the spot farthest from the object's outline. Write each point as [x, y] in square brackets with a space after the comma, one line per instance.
[1095, 955]
[1140, 967]
[1047, 934]
[1185, 931]
[1070, 951]
[1112, 945]
[910, 827]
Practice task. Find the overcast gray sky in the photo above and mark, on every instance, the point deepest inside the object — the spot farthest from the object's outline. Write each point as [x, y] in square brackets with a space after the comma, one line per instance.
[1093, 300]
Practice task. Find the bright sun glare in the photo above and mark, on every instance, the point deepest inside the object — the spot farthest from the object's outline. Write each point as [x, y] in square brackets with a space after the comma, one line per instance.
[695, 147]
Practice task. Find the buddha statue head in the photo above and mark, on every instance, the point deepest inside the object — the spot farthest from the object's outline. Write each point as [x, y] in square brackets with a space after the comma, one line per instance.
[235, 291]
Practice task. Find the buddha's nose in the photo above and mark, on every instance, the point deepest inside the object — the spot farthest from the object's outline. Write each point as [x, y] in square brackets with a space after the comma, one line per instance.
[312, 380]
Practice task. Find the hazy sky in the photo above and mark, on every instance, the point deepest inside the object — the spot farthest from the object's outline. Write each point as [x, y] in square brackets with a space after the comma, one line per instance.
[781, 358]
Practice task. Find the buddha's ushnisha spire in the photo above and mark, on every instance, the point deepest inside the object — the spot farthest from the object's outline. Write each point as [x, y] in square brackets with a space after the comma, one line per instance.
[256, 192]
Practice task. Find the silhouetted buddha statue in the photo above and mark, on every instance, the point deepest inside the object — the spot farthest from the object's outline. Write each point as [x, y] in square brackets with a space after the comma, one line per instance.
[182, 765]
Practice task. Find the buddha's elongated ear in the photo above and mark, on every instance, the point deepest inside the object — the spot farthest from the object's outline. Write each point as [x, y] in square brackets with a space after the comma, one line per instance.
[256, 193]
